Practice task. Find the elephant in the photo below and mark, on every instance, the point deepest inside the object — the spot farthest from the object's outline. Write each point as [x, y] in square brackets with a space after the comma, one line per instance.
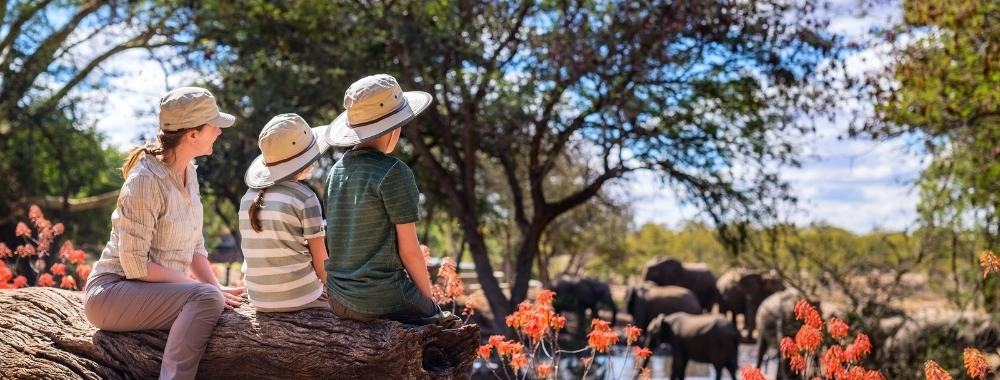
[582, 293]
[928, 330]
[694, 276]
[705, 338]
[776, 320]
[741, 292]
[648, 300]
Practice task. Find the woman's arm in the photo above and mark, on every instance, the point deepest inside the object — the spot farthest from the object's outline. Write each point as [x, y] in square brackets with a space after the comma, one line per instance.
[317, 247]
[413, 258]
[157, 273]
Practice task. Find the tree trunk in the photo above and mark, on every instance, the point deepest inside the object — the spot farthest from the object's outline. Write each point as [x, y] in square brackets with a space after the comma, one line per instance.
[44, 334]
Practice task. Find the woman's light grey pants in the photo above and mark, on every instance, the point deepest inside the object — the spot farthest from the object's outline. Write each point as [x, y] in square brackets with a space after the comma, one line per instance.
[189, 310]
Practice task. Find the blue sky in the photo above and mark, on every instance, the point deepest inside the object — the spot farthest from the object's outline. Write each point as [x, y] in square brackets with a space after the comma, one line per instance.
[855, 184]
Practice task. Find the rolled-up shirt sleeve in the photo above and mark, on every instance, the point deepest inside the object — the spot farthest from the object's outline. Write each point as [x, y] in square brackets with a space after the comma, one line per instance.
[138, 207]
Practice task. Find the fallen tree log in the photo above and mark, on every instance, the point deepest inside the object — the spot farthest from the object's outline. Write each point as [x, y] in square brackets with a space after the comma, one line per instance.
[44, 334]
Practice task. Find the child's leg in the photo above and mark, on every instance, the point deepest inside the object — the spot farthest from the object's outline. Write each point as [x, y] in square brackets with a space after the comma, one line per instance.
[426, 312]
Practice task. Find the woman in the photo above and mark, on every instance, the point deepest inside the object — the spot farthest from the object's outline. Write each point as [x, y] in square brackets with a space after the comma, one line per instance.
[140, 282]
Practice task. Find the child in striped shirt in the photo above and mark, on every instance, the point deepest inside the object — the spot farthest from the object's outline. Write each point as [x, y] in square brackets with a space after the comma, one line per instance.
[281, 220]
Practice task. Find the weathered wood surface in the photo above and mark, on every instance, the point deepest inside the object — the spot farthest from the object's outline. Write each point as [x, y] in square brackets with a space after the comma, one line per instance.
[44, 334]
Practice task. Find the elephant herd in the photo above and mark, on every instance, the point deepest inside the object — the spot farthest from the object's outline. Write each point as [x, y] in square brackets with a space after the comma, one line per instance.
[676, 304]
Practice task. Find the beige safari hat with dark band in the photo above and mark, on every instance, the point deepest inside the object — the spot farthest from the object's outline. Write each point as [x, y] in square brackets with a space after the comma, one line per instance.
[189, 107]
[288, 146]
[374, 106]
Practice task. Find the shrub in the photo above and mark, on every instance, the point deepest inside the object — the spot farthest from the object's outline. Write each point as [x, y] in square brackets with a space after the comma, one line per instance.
[69, 272]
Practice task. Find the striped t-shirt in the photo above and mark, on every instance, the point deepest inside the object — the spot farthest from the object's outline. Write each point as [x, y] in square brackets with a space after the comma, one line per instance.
[277, 265]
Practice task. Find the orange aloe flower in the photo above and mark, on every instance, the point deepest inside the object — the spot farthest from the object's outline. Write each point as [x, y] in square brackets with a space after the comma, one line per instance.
[632, 333]
[543, 370]
[601, 337]
[831, 361]
[933, 371]
[58, 229]
[22, 230]
[495, 340]
[35, 212]
[484, 351]
[798, 363]
[976, 364]
[787, 347]
[808, 313]
[558, 322]
[545, 297]
[83, 271]
[78, 256]
[20, 282]
[748, 372]
[68, 282]
[642, 353]
[644, 374]
[46, 280]
[5, 251]
[990, 263]
[519, 361]
[837, 328]
[58, 269]
[808, 338]
[860, 347]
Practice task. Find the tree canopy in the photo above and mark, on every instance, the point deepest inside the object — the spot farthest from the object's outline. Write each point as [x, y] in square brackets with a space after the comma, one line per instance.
[706, 94]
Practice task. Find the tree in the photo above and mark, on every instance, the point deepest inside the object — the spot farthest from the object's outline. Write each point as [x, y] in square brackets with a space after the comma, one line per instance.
[703, 93]
[945, 73]
[51, 54]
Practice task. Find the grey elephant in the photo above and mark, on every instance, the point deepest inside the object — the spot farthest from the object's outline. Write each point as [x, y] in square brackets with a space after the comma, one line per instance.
[937, 329]
[776, 320]
[742, 291]
[583, 293]
[705, 338]
[648, 300]
[694, 276]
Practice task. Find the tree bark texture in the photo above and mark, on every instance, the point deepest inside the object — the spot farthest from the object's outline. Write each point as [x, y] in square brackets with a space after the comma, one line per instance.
[44, 334]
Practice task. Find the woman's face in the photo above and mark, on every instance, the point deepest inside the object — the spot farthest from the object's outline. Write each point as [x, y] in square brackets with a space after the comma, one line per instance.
[203, 139]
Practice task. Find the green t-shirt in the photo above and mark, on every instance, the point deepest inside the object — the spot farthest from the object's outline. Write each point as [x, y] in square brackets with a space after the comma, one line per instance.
[367, 194]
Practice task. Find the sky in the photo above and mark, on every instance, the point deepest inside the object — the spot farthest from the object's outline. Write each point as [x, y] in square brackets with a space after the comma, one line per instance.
[854, 184]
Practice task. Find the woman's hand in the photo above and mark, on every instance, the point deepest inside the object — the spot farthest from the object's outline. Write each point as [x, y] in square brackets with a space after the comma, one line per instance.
[233, 295]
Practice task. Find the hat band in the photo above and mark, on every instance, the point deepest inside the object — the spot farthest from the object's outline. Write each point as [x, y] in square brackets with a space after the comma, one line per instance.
[383, 117]
[311, 144]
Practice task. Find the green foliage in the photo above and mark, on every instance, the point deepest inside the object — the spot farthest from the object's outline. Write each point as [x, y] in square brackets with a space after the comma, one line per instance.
[520, 87]
[51, 53]
[946, 72]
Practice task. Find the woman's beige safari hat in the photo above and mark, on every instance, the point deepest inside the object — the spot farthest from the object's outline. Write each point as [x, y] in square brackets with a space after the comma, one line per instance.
[374, 106]
[288, 146]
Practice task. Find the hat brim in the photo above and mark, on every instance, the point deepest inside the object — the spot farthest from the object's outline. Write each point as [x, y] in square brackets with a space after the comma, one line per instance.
[342, 135]
[259, 176]
[224, 120]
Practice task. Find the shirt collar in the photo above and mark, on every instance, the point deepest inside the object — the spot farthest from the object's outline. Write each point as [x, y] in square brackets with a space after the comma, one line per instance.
[161, 169]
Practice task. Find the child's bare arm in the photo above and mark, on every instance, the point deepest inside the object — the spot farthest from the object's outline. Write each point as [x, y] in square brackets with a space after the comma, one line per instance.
[412, 257]
[317, 247]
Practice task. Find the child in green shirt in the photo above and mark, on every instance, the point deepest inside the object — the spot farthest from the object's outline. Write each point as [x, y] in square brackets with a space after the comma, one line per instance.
[376, 268]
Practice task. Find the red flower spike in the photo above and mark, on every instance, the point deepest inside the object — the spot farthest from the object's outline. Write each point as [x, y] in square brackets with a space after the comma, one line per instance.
[748, 372]
[976, 364]
[933, 371]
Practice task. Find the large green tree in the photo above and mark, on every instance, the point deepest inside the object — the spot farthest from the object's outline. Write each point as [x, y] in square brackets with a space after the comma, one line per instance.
[51, 57]
[944, 65]
[705, 94]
